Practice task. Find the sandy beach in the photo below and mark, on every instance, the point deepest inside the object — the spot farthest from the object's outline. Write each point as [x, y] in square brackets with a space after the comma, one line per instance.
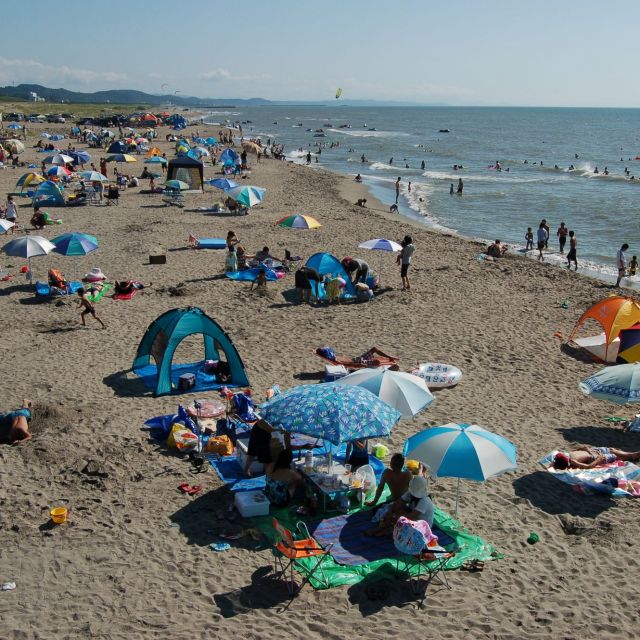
[134, 561]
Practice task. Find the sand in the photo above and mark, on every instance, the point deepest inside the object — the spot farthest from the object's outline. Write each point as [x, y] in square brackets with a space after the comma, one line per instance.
[134, 560]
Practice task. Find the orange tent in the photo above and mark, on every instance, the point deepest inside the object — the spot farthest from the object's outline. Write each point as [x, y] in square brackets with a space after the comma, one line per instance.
[613, 314]
[154, 151]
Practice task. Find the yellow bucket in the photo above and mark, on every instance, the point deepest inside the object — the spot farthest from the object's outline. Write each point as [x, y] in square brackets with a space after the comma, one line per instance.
[59, 514]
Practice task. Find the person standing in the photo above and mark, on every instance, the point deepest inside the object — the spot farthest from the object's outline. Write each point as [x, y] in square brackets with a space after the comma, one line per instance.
[398, 188]
[546, 226]
[543, 238]
[88, 308]
[404, 260]
[562, 233]
[572, 255]
[621, 261]
[11, 212]
[460, 186]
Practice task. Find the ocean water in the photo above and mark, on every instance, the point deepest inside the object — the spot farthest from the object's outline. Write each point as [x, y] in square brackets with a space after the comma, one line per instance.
[603, 210]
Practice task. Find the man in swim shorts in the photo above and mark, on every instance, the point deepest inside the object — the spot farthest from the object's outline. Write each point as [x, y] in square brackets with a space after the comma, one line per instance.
[14, 425]
[589, 457]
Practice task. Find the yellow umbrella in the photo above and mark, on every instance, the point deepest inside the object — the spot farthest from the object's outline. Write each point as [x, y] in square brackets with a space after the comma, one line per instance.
[121, 157]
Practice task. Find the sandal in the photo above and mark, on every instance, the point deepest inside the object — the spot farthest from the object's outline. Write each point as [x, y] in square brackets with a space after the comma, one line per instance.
[193, 490]
[184, 487]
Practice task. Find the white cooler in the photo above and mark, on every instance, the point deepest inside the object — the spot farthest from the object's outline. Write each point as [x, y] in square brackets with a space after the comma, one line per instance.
[252, 503]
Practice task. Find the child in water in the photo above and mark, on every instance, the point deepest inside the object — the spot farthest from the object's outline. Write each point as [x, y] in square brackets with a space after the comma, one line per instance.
[633, 265]
[529, 238]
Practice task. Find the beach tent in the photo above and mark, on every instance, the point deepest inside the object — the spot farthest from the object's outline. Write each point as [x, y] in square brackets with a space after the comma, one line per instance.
[325, 263]
[118, 147]
[187, 170]
[629, 350]
[613, 314]
[48, 194]
[161, 340]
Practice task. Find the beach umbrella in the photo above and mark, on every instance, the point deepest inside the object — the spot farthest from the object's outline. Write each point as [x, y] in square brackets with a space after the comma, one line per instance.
[229, 155]
[619, 384]
[58, 171]
[118, 147]
[462, 451]
[5, 225]
[298, 221]
[222, 183]
[252, 147]
[29, 178]
[380, 244]
[405, 392]
[141, 140]
[629, 350]
[176, 184]
[199, 140]
[335, 412]
[14, 126]
[156, 160]
[248, 196]
[75, 244]
[79, 157]
[58, 158]
[28, 247]
[211, 140]
[201, 151]
[93, 176]
[121, 157]
[46, 135]
[15, 146]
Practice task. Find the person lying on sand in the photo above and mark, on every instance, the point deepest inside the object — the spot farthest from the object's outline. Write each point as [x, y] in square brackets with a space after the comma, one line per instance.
[415, 504]
[589, 457]
[14, 425]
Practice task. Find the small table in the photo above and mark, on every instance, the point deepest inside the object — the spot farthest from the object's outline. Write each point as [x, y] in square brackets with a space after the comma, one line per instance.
[326, 483]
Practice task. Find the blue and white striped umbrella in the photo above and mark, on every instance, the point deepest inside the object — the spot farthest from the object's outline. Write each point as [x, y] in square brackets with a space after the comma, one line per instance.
[248, 196]
[462, 451]
[619, 384]
[380, 244]
[405, 392]
[222, 183]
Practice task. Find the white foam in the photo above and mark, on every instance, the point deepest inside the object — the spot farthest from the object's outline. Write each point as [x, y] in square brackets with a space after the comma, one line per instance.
[366, 133]
[382, 166]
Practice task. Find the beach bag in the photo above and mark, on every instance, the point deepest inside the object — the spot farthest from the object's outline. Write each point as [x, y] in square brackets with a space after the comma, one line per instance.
[181, 438]
[243, 407]
[411, 537]
[221, 445]
[327, 352]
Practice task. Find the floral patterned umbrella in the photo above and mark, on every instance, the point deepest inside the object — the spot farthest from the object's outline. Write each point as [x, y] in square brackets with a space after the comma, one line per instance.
[335, 412]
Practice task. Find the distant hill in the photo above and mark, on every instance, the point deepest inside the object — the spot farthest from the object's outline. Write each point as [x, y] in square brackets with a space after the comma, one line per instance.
[119, 96]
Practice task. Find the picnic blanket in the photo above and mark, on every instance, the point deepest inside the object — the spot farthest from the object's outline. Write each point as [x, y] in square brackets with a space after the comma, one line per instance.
[466, 545]
[351, 547]
[620, 479]
[231, 473]
[94, 297]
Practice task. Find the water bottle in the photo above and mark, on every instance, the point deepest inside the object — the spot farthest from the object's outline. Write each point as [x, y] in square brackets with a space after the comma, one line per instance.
[308, 461]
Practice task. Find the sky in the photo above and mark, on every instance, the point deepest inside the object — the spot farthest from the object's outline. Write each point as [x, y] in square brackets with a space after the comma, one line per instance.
[468, 52]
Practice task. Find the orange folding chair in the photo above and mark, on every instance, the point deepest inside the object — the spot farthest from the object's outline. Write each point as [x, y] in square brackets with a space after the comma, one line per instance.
[431, 562]
[287, 548]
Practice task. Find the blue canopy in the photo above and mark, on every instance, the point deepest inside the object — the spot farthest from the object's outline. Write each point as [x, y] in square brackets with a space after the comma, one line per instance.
[228, 155]
[325, 263]
[118, 147]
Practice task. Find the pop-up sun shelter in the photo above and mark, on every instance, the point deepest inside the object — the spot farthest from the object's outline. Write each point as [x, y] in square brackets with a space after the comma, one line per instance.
[325, 263]
[48, 195]
[187, 170]
[161, 341]
[613, 314]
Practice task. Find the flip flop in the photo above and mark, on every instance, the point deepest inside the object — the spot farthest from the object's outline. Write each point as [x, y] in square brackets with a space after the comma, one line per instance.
[184, 487]
[193, 490]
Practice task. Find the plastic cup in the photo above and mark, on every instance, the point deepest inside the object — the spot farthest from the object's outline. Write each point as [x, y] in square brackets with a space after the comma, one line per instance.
[347, 469]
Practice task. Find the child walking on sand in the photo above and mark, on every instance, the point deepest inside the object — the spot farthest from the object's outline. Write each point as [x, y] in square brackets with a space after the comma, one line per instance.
[88, 308]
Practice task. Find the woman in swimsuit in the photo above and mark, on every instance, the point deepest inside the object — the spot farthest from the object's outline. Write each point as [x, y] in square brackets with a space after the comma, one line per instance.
[589, 457]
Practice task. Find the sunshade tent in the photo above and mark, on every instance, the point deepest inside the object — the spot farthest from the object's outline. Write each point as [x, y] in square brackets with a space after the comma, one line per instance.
[405, 392]
[48, 194]
[629, 350]
[154, 151]
[383, 245]
[187, 170]
[15, 146]
[248, 196]
[29, 179]
[462, 451]
[325, 263]
[28, 247]
[334, 412]
[613, 314]
[162, 339]
[299, 221]
[228, 155]
[118, 147]
[619, 384]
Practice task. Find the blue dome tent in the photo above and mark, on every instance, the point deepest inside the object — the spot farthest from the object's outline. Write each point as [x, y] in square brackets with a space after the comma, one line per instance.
[161, 340]
[48, 194]
[325, 263]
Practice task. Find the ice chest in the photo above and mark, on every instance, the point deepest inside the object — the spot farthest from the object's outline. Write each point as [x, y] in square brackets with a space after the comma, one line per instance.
[334, 371]
[252, 503]
[186, 381]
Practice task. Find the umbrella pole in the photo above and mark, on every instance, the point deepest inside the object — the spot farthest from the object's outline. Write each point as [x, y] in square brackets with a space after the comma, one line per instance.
[380, 274]
[29, 267]
[455, 512]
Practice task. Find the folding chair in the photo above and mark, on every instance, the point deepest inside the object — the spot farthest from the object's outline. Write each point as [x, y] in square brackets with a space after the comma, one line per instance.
[286, 547]
[430, 562]
[113, 195]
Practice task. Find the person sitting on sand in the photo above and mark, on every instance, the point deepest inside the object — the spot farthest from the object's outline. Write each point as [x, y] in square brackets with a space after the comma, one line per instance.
[415, 504]
[14, 425]
[496, 250]
[397, 479]
[282, 481]
[588, 457]
[358, 178]
[361, 202]
[125, 287]
[38, 219]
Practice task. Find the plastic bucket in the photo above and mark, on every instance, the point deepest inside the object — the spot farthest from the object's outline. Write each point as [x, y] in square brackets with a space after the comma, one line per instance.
[59, 514]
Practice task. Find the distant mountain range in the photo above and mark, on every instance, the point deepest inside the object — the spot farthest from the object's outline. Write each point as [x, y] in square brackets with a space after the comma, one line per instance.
[133, 97]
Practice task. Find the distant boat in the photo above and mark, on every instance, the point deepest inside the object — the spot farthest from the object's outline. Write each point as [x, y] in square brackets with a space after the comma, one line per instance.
[444, 130]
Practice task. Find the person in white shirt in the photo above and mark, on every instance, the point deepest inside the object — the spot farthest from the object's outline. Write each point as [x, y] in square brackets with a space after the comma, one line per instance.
[404, 260]
[543, 238]
[621, 262]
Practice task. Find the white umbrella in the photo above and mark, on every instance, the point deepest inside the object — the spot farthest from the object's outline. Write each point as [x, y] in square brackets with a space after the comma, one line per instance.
[381, 244]
[405, 392]
[28, 247]
[5, 225]
[58, 158]
[619, 384]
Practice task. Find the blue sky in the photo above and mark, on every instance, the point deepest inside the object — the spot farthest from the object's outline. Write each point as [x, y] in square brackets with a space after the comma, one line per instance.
[469, 52]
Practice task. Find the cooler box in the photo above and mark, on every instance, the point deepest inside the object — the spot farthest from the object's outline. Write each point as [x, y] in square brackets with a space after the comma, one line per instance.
[251, 503]
[334, 371]
[186, 381]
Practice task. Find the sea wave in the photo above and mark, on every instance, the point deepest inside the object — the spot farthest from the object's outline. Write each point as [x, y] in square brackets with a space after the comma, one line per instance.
[367, 133]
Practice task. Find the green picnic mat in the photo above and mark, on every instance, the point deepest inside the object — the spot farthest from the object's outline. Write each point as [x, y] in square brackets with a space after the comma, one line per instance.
[94, 297]
[468, 547]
